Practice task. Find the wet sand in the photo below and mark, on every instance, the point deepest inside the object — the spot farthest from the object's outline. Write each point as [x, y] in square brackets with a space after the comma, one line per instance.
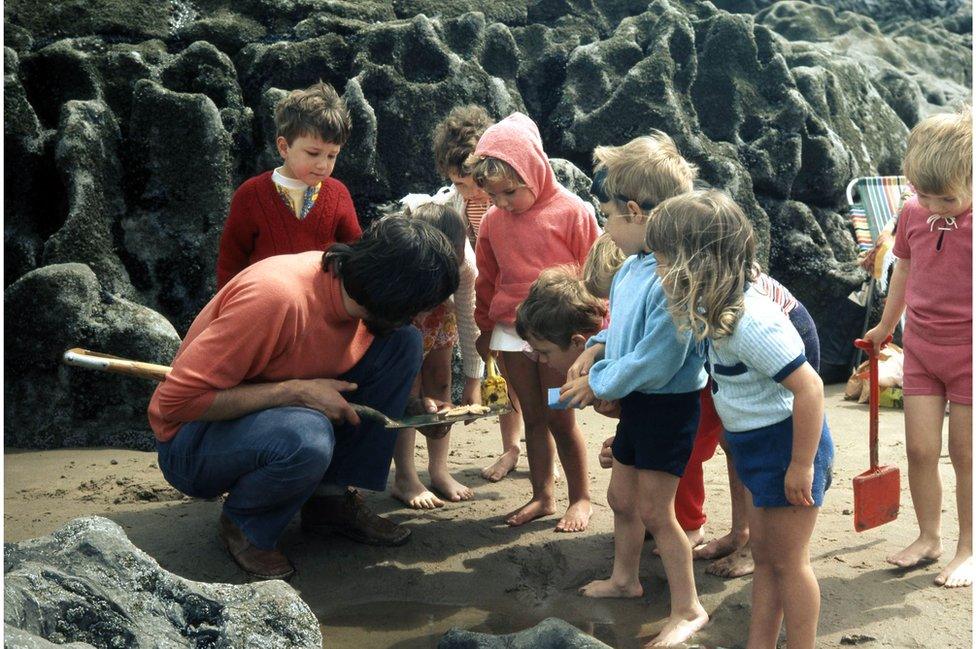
[464, 567]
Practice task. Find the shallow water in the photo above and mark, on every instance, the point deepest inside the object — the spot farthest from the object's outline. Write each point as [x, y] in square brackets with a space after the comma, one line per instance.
[416, 625]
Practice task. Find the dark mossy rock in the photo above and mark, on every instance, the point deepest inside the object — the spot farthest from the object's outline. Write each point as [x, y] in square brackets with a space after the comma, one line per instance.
[225, 29]
[49, 405]
[114, 18]
[33, 195]
[880, 10]
[56, 74]
[293, 65]
[409, 80]
[178, 198]
[86, 583]
[203, 68]
[17, 38]
[120, 70]
[509, 12]
[87, 156]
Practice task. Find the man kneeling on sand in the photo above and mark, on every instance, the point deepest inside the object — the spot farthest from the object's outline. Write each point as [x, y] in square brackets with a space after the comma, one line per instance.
[256, 404]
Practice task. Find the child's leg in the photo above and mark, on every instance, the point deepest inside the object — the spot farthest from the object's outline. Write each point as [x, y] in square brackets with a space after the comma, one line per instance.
[407, 486]
[524, 376]
[737, 562]
[436, 380]
[656, 491]
[923, 441]
[628, 537]
[689, 501]
[511, 427]
[572, 455]
[959, 571]
[784, 586]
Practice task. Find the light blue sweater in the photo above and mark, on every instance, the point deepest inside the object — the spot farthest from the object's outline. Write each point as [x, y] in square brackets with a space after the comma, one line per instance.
[644, 350]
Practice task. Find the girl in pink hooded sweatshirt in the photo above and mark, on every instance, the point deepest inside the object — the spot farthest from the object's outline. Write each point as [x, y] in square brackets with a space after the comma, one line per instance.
[534, 224]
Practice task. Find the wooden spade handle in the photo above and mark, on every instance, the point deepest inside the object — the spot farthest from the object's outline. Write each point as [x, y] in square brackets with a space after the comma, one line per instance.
[78, 357]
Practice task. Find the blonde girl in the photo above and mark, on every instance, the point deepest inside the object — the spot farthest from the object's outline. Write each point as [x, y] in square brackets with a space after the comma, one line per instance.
[768, 396]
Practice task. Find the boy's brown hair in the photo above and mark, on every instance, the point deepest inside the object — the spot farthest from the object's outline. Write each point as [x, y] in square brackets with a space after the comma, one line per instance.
[456, 137]
[647, 170]
[939, 158]
[602, 263]
[559, 307]
[316, 110]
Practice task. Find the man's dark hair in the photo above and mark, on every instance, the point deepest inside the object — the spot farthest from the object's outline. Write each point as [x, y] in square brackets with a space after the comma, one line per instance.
[399, 268]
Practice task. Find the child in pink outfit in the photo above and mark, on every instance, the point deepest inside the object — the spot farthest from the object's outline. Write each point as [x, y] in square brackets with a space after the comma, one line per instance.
[933, 279]
[534, 224]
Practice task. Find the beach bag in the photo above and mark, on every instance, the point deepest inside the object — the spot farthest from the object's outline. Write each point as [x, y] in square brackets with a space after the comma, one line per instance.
[891, 373]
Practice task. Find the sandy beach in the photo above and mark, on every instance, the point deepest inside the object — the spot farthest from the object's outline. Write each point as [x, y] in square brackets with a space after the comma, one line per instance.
[464, 567]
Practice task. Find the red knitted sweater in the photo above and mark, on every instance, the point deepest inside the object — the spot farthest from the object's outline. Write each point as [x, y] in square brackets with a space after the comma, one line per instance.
[260, 225]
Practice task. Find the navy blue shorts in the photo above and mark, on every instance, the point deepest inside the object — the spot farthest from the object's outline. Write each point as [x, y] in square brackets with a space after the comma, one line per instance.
[656, 432]
[761, 457]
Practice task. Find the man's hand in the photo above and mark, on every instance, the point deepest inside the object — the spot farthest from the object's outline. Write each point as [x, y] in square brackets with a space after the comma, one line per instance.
[482, 345]
[577, 393]
[607, 408]
[323, 395]
[798, 484]
[431, 406]
[606, 452]
[585, 361]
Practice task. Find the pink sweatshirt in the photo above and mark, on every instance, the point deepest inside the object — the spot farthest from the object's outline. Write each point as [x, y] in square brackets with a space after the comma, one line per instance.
[513, 249]
[939, 294]
[280, 318]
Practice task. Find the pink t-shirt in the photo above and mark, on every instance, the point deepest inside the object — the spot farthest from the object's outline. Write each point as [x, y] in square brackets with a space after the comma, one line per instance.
[940, 284]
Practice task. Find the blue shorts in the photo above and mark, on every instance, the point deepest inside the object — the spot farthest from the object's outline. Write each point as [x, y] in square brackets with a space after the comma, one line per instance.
[656, 432]
[761, 457]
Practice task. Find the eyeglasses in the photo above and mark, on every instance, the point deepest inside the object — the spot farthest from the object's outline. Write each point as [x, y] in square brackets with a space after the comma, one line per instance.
[597, 189]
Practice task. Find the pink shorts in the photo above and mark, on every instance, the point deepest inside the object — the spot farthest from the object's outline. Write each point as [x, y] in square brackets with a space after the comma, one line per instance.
[943, 370]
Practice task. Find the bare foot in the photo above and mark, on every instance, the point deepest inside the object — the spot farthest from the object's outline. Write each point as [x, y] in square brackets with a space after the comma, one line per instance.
[532, 510]
[921, 552]
[414, 494]
[447, 486]
[737, 564]
[679, 628]
[505, 463]
[576, 518]
[958, 573]
[695, 538]
[721, 547]
[606, 588]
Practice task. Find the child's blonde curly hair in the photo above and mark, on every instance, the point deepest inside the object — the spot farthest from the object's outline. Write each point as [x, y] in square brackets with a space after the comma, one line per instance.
[706, 249]
[939, 158]
[602, 262]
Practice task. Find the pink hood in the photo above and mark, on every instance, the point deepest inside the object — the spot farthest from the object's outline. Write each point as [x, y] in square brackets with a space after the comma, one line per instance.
[516, 140]
[513, 249]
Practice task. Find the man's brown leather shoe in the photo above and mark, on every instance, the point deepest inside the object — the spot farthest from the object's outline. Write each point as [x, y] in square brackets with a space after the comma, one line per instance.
[348, 515]
[266, 564]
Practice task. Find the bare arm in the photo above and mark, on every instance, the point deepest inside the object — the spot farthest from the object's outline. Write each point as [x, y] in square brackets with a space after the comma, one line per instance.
[318, 394]
[808, 405]
[894, 304]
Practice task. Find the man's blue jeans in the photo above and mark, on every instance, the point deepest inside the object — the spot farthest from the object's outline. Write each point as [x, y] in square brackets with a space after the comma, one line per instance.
[271, 461]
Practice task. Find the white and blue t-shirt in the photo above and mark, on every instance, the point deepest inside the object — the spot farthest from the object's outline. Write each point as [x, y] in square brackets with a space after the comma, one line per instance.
[747, 366]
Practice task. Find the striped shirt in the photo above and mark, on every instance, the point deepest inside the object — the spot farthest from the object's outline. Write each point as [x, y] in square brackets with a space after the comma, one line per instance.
[747, 366]
[776, 292]
[474, 212]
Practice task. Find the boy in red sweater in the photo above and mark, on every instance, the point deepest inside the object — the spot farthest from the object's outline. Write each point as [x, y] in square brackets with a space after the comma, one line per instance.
[297, 207]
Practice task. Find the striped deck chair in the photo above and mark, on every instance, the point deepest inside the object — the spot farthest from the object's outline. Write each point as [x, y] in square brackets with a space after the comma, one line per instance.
[875, 202]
